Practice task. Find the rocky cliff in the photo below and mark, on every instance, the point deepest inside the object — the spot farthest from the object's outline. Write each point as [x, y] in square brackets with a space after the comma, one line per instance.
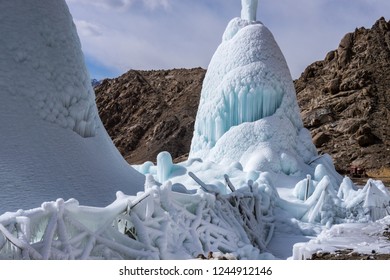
[345, 99]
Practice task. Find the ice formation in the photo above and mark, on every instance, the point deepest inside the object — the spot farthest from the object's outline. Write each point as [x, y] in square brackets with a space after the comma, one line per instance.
[248, 110]
[254, 186]
[164, 166]
[53, 143]
[62, 92]
[161, 223]
[158, 224]
[249, 9]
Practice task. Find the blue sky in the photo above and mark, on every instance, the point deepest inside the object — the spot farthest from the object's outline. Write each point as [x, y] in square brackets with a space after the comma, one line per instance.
[119, 35]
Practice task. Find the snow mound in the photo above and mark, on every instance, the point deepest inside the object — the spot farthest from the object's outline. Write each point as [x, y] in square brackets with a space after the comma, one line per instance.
[53, 143]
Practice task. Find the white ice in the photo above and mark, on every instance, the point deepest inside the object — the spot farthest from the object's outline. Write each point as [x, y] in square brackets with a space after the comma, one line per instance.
[254, 186]
[249, 9]
[364, 238]
[52, 142]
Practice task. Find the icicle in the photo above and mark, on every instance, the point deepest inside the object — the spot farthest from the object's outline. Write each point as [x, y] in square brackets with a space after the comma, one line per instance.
[242, 106]
[219, 128]
[250, 115]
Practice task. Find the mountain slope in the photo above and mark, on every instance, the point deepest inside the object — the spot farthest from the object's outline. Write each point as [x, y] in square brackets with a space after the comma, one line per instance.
[146, 112]
[345, 99]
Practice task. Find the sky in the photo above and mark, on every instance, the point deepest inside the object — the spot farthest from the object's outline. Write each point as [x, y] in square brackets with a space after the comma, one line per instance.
[119, 35]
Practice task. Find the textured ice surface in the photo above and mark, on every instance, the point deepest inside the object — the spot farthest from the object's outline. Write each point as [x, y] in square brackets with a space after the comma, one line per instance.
[52, 142]
[248, 110]
[46, 54]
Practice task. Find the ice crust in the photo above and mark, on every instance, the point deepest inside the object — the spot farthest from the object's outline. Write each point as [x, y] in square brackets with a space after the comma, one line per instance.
[61, 91]
[53, 143]
[254, 186]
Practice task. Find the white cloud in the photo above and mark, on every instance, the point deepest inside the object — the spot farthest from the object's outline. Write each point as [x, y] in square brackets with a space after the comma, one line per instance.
[154, 4]
[87, 29]
[155, 34]
[123, 4]
[102, 3]
[162, 36]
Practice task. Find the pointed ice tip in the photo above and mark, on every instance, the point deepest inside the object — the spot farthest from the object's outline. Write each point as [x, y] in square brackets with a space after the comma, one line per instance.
[249, 9]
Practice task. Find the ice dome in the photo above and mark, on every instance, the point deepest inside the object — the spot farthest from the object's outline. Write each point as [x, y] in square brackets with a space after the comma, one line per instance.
[53, 143]
[248, 110]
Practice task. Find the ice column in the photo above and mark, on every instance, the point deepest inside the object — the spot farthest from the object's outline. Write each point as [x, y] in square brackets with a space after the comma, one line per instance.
[249, 9]
[164, 166]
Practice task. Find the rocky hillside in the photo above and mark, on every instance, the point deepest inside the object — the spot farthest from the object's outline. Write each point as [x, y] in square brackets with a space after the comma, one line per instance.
[345, 102]
[345, 99]
[146, 112]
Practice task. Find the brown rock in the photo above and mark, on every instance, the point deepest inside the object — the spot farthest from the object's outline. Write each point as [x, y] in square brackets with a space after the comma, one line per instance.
[334, 86]
[353, 82]
[345, 49]
[321, 139]
[147, 112]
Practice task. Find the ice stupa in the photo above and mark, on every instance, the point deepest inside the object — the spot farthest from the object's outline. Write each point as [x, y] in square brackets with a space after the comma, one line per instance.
[248, 110]
[52, 142]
